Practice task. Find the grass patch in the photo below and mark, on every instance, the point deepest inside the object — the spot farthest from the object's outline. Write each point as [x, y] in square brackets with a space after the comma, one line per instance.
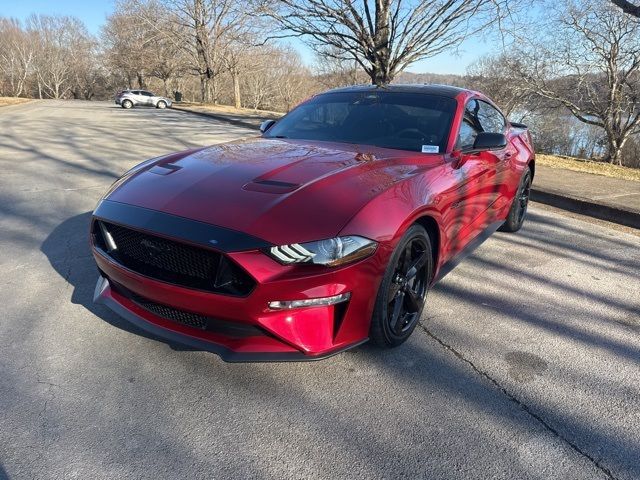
[4, 101]
[229, 110]
[589, 166]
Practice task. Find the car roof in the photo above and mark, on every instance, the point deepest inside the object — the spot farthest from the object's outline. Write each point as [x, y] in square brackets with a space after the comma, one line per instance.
[430, 89]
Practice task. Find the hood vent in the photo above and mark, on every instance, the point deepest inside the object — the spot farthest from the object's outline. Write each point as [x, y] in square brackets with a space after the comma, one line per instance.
[164, 169]
[270, 186]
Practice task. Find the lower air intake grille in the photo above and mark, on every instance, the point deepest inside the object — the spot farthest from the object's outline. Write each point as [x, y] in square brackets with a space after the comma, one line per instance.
[185, 318]
[194, 320]
[171, 261]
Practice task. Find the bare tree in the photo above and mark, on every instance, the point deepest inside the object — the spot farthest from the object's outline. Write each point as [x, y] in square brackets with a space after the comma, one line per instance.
[58, 43]
[292, 78]
[202, 29]
[131, 45]
[333, 71]
[384, 36]
[587, 59]
[17, 54]
[493, 76]
[628, 7]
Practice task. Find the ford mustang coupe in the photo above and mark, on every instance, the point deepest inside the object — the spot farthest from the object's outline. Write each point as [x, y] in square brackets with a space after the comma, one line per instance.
[322, 233]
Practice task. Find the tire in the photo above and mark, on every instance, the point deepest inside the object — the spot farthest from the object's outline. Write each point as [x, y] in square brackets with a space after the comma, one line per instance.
[161, 104]
[126, 104]
[402, 293]
[518, 210]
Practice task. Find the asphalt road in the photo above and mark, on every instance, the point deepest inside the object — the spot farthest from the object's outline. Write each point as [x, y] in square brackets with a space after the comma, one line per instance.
[526, 364]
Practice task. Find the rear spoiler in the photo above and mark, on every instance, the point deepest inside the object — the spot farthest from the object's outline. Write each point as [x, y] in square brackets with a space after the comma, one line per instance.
[523, 132]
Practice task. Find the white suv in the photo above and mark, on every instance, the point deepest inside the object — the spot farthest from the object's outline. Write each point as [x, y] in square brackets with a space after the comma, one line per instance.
[135, 98]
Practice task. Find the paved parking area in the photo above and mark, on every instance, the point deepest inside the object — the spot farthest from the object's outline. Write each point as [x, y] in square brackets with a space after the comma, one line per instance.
[526, 364]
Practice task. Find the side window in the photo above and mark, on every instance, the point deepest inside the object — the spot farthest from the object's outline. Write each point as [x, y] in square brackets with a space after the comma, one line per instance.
[490, 118]
[470, 126]
[135, 92]
[147, 94]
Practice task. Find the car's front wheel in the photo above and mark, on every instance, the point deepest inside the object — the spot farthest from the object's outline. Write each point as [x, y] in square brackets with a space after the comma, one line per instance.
[127, 104]
[161, 104]
[403, 290]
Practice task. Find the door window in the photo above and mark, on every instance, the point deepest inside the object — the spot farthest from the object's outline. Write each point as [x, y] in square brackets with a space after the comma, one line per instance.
[470, 126]
[490, 118]
[479, 117]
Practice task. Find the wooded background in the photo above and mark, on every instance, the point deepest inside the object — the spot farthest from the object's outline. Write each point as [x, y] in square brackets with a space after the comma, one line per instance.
[572, 73]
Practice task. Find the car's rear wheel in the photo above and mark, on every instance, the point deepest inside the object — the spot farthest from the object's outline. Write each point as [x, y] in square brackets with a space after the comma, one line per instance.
[403, 290]
[518, 210]
[127, 104]
[161, 104]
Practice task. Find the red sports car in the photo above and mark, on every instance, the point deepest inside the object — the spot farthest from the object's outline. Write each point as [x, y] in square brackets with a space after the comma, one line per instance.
[324, 232]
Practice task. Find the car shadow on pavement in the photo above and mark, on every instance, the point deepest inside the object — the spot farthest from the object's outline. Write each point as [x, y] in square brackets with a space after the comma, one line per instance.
[67, 249]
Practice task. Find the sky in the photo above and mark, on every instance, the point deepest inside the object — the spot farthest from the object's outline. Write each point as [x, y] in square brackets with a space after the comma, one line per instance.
[94, 12]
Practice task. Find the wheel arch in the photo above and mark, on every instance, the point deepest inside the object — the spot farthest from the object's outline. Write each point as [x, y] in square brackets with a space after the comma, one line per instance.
[433, 230]
[532, 166]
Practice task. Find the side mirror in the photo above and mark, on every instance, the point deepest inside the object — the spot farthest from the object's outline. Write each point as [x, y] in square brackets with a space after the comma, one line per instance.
[266, 125]
[489, 141]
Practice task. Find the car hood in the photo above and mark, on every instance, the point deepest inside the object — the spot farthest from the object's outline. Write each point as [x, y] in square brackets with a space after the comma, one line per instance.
[282, 191]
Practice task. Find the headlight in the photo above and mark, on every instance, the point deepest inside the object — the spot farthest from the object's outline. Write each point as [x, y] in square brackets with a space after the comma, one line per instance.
[331, 252]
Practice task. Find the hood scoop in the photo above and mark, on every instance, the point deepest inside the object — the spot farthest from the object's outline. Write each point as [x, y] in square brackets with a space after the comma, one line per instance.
[270, 186]
[164, 169]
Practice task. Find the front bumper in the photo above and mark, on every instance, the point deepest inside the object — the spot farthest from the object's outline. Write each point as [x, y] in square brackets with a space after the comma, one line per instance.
[310, 333]
[105, 295]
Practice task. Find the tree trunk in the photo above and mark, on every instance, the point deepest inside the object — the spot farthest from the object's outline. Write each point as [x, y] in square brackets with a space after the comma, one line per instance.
[204, 88]
[615, 144]
[380, 57]
[141, 80]
[380, 76]
[237, 101]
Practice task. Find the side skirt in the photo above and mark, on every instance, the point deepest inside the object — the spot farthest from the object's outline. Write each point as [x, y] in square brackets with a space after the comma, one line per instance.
[468, 250]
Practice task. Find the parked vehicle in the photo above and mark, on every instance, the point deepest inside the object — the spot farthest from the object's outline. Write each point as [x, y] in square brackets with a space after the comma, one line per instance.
[323, 233]
[141, 98]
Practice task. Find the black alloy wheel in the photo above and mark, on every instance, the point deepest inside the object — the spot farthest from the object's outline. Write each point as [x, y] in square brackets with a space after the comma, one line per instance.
[523, 197]
[403, 290]
[518, 210]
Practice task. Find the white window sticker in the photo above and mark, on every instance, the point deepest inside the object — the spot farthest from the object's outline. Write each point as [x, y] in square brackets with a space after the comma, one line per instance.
[430, 149]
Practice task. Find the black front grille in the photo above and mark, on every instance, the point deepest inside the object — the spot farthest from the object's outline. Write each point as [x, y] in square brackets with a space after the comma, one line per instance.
[171, 261]
[190, 319]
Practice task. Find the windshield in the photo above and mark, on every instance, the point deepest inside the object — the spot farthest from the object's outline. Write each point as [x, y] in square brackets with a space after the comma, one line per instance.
[404, 121]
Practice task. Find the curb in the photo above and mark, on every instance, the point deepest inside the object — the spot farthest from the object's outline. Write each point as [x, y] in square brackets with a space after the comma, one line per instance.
[583, 206]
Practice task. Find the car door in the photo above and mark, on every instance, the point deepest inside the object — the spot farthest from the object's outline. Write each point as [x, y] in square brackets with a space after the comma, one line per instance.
[134, 96]
[474, 174]
[147, 98]
[491, 120]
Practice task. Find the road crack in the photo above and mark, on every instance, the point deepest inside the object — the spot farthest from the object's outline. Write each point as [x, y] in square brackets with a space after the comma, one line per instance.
[547, 426]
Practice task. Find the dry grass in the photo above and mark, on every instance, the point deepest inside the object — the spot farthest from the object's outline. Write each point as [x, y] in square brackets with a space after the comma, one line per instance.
[589, 166]
[4, 101]
[229, 110]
